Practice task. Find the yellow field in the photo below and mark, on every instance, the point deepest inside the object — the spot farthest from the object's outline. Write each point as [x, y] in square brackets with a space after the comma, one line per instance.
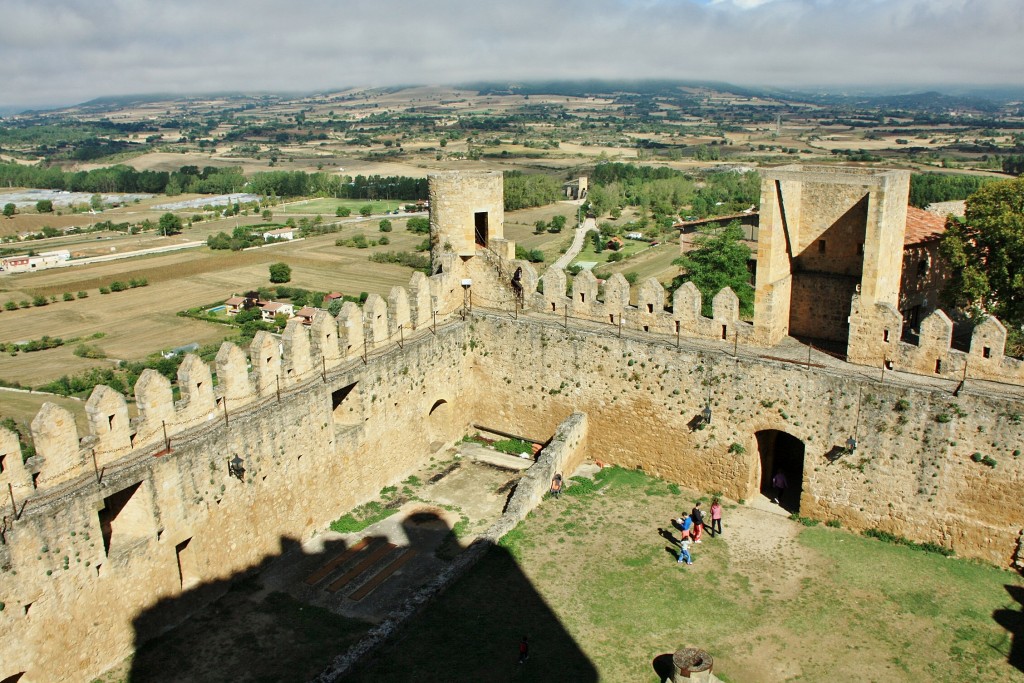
[23, 407]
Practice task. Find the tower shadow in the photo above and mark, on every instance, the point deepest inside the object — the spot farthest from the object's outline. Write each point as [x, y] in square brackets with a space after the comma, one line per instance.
[290, 616]
[1013, 621]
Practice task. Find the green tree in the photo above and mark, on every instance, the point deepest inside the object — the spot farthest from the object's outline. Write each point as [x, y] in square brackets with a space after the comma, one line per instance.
[96, 202]
[385, 225]
[343, 212]
[267, 214]
[539, 227]
[44, 206]
[280, 272]
[986, 252]
[718, 261]
[9, 209]
[419, 225]
[169, 224]
[366, 210]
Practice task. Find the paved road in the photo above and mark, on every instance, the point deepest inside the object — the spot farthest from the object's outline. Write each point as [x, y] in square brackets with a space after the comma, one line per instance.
[577, 244]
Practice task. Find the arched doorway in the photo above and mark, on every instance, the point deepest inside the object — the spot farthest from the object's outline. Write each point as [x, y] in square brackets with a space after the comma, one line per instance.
[781, 452]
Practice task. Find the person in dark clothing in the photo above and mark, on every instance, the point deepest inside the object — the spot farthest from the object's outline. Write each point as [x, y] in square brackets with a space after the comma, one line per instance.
[524, 650]
[517, 282]
[697, 515]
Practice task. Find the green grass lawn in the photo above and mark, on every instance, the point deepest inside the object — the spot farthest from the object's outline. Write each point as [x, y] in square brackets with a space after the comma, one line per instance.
[598, 591]
[327, 206]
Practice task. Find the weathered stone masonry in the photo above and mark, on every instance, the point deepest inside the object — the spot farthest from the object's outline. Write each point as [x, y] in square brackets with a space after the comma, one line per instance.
[105, 526]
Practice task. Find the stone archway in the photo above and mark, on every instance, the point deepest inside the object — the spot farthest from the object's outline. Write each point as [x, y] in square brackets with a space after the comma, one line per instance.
[780, 451]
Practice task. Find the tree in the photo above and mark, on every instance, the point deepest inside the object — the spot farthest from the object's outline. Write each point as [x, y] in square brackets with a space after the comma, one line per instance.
[343, 212]
[419, 225]
[718, 261]
[44, 206]
[540, 226]
[366, 210]
[169, 224]
[9, 210]
[96, 202]
[385, 225]
[986, 252]
[280, 272]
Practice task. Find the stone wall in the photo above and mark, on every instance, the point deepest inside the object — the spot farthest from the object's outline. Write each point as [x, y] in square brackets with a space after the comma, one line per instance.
[116, 521]
[912, 472]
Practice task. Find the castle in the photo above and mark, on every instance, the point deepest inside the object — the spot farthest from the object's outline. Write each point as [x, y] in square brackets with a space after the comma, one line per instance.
[100, 527]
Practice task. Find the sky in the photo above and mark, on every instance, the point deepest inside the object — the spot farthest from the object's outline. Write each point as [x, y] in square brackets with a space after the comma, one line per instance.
[60, 52]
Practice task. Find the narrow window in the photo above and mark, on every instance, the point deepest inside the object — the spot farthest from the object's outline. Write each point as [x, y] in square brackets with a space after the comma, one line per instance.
[583, 298]
[647, 328]
[2, 458]
[821, 246]
[986, 352]
[480, 227]
[885, 335]
[725, 331]
[611, 318]
[677, 326]
[650, 308]
[938, 366]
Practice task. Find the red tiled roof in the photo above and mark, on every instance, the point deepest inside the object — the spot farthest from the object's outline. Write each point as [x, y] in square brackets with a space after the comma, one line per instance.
[235, 301]
[923, 226]
[307, 312]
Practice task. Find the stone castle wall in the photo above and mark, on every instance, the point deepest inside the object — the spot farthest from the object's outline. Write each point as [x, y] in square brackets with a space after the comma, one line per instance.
[107, 524]
[911, 473]
[115, 521]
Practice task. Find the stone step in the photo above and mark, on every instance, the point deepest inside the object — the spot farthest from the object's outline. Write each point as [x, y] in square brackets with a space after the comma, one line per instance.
[335, 562]
[383, 574]
[379, 552]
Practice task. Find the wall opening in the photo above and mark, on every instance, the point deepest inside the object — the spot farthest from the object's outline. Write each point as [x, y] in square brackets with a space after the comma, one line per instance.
[124, 519]
[480, 228]
[3, 456]
[186, 564]
[343, 406]
[781, 452]
[986, 352]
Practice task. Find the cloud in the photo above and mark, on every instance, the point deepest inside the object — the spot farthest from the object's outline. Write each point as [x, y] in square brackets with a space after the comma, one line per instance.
[65, 51]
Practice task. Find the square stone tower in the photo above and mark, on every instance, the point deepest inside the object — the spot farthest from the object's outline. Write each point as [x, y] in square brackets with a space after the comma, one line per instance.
[467, 214]
[825, 234]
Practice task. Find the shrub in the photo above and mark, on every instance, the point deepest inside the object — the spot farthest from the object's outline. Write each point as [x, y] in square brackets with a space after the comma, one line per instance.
[615, 256]
[513, 446]
[366, 210]
[82, 294]
[343, 212]
[11, 306]
[834, 523]
[384, 225]
[118, 286]
[104, 290]
[89, 351]
[359, 241]
[942, 418]
[418, 225]
[39, 300]
[927, 546]
[384, 241]
[25, 303]
[68, 296]
[902, 405]
[737, 448]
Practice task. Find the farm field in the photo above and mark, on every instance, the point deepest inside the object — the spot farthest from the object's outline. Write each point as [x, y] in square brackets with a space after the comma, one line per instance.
[597, 589]
[140, 321]
[22, 408]
[326, 206]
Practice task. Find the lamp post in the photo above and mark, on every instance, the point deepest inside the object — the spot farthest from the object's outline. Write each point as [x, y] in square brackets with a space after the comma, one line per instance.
[236, 469]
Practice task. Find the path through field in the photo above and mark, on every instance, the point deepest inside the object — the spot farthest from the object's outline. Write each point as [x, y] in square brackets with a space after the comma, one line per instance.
[577, 244]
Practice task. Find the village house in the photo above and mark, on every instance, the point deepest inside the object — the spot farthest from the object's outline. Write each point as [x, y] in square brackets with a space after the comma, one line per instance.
[41, 261]
[280, 234]
[270, 309]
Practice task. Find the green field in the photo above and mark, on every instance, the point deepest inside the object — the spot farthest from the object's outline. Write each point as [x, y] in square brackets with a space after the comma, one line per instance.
[327, 206]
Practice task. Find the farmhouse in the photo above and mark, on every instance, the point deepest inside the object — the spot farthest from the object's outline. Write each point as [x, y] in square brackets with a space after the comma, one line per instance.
[41, 261]
[280, 234]
[270, 309]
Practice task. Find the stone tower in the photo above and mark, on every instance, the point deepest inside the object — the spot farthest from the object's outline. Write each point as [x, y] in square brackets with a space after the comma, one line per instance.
[827, 234]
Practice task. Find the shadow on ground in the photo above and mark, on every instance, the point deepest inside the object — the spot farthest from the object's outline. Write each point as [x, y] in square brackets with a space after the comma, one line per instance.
[1013, 621]
[282, 620]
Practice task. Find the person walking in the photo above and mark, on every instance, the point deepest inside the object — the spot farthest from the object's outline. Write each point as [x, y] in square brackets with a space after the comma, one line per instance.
[697, 515]
[779, 484]
[716, 517]
[684, 552]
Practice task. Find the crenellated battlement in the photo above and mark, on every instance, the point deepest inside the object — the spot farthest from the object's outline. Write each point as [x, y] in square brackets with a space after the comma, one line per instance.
[239, 380]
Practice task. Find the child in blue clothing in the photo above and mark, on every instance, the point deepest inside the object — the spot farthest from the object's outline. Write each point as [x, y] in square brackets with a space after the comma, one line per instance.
[684, 552]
